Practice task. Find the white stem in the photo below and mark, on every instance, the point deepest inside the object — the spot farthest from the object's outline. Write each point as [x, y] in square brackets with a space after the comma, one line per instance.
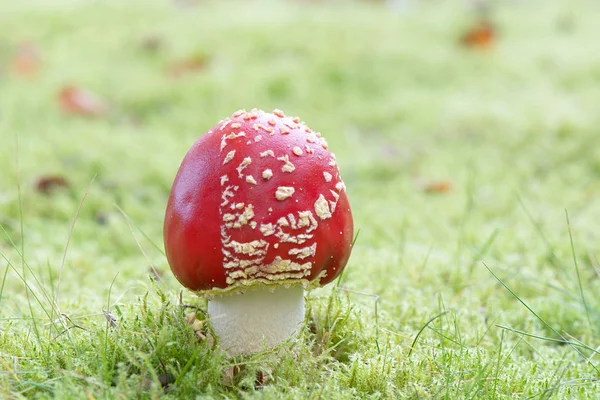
[258, 319]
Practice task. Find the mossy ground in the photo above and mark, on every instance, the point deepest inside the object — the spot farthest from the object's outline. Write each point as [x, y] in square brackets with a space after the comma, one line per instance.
[509, 134]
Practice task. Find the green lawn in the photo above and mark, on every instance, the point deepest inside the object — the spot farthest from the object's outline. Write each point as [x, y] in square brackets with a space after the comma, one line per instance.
[513, 132]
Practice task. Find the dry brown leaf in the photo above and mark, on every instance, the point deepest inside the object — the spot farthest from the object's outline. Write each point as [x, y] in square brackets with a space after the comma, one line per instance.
[262, 379]
[26, 61]
[481, 36]
[193, 64]
[47, 184]
[78, 101]
[437, 187]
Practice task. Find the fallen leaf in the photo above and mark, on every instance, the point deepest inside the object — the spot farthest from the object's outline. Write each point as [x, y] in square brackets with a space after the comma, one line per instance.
[78, 101]
[235, 375]
[193, 64]
[481, 36]
[312, 326]
[437, 187]
[47, 184]
[26, 61]
[232, 375]
[262, 379]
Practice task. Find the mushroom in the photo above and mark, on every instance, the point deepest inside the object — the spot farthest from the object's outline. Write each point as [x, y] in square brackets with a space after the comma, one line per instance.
[257, 214]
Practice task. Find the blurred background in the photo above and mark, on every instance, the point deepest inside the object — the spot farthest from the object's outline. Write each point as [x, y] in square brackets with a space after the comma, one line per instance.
[463, 131]
[442, 114]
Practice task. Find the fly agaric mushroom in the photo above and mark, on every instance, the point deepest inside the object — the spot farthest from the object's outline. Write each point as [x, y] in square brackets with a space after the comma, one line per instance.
[258, 212]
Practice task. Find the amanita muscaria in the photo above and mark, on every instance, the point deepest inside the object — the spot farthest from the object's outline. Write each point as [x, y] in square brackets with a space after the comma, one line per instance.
[258, 212]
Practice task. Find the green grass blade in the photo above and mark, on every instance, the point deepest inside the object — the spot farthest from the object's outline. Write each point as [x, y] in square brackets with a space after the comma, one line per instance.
[538, 317]
[414, 343]
[583, 301]
[132, 222]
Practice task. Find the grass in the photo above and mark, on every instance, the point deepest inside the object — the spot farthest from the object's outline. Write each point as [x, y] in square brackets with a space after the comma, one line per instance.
[485, 290]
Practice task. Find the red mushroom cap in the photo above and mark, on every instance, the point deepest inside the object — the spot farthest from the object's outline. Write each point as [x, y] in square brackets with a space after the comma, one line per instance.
[258, 200]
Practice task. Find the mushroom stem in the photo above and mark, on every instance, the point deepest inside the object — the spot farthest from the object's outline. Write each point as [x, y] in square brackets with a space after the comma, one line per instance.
[258, 319]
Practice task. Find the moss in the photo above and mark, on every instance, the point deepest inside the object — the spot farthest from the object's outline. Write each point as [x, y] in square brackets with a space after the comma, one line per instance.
[510, 132]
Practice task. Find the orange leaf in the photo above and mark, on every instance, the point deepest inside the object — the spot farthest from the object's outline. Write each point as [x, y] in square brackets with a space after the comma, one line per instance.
[47, 184]
[192, 64]
[437, 187]
[481, 36]
[78, 101]
[26, 61]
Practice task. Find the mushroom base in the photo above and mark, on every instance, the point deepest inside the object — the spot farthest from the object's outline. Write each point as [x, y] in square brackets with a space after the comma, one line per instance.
[258, 319]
